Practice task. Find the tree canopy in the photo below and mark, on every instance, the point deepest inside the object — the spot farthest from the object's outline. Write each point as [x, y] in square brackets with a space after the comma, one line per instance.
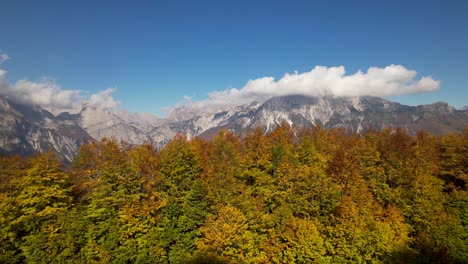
[309, 196]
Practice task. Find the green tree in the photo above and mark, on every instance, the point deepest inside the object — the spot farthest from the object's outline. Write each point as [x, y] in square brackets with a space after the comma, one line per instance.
[44, 197]
[185, 211]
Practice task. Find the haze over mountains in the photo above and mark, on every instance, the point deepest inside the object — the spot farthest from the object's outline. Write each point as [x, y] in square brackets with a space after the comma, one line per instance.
[25, 129]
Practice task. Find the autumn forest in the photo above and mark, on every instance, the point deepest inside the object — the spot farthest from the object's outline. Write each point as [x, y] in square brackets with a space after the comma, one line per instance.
[308, 196]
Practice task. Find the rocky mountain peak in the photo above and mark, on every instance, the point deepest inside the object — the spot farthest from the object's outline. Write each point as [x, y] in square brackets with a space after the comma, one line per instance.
[28, 128]
[439, 107]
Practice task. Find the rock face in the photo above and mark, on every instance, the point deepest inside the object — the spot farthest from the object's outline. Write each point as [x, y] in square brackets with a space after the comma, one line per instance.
[99, 123]
[353, 113]
[26, 129]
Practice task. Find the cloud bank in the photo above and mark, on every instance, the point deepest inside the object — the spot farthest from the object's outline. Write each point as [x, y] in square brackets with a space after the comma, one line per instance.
[326, 81]
[320, 81]
[47, 94]
[104, 99]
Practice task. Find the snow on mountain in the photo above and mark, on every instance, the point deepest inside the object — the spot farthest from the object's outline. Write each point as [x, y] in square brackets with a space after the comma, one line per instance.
[353, 113]
[25, 129]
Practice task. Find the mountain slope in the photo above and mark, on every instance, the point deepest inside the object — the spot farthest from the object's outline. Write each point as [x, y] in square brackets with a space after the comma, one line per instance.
[26, 129]
[353, 113]
[99, 123]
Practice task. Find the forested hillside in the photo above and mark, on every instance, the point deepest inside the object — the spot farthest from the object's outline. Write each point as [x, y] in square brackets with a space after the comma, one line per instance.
[314, 196]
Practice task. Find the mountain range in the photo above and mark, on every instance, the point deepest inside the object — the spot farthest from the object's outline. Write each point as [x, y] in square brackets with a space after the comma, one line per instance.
[26, 129]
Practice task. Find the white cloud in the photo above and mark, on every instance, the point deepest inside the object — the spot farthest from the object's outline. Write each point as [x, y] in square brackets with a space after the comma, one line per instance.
[320, 81]
[47, 94]
[325, 81]
[3, 57]
[104, 99]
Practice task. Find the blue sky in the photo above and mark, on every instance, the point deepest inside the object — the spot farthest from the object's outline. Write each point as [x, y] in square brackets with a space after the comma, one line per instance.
[157, 52]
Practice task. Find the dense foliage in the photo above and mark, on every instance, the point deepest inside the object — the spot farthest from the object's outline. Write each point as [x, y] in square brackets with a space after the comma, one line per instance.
[311, 196]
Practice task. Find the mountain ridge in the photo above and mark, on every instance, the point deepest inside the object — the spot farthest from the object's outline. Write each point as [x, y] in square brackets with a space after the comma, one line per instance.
[66, 131]
[26, 129]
